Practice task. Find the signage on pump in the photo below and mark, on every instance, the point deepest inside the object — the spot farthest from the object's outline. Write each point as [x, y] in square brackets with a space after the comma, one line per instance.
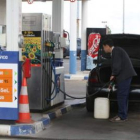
[3, 57]
[8, 81]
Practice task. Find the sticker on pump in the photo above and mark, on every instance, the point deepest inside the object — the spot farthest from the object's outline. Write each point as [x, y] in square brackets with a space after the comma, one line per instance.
[8, 85]
[9, 64]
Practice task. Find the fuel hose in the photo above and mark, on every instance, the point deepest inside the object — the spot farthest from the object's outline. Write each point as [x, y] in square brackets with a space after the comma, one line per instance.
[55, 85]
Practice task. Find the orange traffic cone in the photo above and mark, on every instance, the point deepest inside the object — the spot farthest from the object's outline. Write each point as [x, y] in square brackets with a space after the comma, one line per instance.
[24, 114]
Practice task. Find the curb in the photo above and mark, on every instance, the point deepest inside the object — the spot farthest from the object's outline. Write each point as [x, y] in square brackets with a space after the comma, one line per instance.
[38, 126]
[76, 77]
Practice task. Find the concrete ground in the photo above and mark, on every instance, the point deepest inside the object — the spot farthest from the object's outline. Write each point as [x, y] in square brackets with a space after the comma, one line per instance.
[79, 124]
[75, 88]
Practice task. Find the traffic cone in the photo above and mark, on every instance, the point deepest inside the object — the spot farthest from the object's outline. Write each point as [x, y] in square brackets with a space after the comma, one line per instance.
[24, 113]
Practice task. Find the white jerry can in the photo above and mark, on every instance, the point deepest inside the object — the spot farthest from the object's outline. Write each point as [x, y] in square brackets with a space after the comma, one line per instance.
[101, 108]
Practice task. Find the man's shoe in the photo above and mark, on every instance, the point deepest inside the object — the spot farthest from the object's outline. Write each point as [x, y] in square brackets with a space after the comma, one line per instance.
[117, 119]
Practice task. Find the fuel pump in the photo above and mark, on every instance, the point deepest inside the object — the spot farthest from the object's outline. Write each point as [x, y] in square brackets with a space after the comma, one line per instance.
[43, 48]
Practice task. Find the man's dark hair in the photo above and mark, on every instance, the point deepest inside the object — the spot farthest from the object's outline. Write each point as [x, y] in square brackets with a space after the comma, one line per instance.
[108, 42]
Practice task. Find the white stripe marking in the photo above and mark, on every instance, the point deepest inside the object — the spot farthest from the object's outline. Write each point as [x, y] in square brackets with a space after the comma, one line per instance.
[38, 127]
[24, 108]
[5, 130]
[23, 91]
[46, 116]
[58, 113]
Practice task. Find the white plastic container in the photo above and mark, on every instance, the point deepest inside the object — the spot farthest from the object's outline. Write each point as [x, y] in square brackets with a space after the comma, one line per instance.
[101, 108]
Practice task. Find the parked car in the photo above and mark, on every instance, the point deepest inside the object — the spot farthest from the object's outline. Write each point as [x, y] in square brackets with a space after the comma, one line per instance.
[66, 50]
[101, 74]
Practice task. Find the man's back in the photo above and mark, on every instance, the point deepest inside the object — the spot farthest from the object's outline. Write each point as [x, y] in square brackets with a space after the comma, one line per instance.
[122, 67]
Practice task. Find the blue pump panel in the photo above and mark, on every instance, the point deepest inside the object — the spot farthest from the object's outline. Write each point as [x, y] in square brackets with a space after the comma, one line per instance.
[9, 63]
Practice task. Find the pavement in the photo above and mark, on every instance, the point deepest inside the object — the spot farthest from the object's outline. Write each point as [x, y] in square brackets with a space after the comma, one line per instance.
[80, 75]
[79, 124]
[41, 120]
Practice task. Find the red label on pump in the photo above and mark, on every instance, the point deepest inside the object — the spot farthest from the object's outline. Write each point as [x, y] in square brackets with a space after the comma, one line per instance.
[93, 44]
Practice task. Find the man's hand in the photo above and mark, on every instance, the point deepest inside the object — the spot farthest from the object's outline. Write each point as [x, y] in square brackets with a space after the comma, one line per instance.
[112, 77]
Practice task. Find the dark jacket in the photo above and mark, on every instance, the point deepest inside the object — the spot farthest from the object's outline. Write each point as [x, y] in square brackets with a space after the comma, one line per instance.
[122, 67]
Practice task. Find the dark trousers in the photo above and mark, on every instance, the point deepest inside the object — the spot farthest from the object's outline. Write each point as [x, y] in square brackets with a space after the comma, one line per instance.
[122, 97]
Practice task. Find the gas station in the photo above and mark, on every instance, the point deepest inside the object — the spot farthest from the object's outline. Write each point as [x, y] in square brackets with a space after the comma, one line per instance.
[31, 56]
[32, 73]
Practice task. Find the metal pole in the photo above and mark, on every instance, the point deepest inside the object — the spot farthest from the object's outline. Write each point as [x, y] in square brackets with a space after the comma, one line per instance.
[123, 15]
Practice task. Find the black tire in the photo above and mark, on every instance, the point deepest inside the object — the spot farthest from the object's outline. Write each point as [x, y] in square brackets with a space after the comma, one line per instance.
[90, 104]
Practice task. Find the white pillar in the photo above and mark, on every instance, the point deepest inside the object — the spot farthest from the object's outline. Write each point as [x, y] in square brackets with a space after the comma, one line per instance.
[57, 22]
[13, 23]
[58, 16]
[83, 33]
[57, 26]
[73, 37]
[78, 19]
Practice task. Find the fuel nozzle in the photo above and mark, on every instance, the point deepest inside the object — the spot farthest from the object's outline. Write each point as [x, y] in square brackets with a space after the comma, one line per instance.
[111, 85]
